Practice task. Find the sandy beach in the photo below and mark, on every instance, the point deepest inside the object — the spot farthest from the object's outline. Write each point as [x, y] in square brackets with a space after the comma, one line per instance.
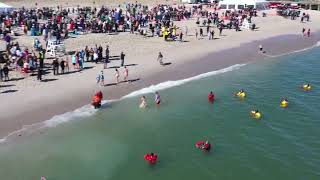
[32, 102]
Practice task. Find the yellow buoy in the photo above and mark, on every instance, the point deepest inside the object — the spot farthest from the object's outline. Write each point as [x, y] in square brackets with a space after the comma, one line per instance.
[307, 87]
[241, 94]
[256, 114]
[284, 103]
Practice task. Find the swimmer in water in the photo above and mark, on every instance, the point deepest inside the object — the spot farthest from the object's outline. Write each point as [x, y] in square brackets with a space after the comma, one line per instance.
[211, 97]
[143, 103]
[157, 99]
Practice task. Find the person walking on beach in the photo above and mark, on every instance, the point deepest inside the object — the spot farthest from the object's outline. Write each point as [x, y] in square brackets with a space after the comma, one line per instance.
[180, 36]
[309, 32]
[100, 78]
[117, 75]
[160, 58]
[303, 31]
[261, 49]
[196, 34]
[122, 55]
[126, 74]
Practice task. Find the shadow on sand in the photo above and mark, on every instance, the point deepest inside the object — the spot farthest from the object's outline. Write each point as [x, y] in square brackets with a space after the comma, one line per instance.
[128, 81]
[8, 91]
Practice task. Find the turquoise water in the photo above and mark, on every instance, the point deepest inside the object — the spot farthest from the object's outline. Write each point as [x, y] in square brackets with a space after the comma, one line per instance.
[284, 144]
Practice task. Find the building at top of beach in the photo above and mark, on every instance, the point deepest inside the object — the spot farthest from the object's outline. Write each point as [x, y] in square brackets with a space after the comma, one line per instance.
[310, 4]
[5, 8]
[241, 4]
[197, 1]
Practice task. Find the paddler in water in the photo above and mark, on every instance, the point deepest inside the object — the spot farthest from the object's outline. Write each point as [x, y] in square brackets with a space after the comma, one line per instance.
[143, 103]
[211, 97]
[157, 99]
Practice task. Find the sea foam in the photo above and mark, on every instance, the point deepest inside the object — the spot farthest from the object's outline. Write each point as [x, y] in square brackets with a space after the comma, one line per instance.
[170, 84]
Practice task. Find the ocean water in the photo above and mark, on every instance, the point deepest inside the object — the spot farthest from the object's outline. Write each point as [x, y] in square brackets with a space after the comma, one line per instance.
[110, 144]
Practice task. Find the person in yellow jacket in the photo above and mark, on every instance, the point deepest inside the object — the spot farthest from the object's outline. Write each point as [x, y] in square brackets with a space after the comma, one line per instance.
[174, 31]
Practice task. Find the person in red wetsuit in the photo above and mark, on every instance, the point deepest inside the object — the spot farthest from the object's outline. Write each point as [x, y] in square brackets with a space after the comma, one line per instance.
[96, 100]
[151, 158]
[211, 97]
[205, 146]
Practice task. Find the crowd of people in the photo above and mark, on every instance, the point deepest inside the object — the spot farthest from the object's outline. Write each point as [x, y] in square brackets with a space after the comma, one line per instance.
[60, 23]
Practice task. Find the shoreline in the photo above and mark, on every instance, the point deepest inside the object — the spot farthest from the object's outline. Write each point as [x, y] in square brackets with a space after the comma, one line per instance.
[244, 54]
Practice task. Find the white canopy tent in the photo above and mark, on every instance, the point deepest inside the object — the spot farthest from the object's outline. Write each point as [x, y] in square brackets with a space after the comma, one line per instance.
[5, 8]
[241, 4]
[188, 1]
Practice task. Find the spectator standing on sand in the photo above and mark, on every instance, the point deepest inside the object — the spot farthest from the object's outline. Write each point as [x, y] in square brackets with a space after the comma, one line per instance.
[73, 60]
[117, 75]
[62, 65]
[196, 34]
[41, 58]
[303, 31]
[67, 64]
[107, 53]
[6, 72]
[220, 30]
[39, 76]
[106, 60]
[181, 36]
[309, 32]
[212, 34]
[87, 53]
[186, 30]
[122, 55]
[100, 78]
[126, 74]
[160, 58]
[1, 73]
[55, 65]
